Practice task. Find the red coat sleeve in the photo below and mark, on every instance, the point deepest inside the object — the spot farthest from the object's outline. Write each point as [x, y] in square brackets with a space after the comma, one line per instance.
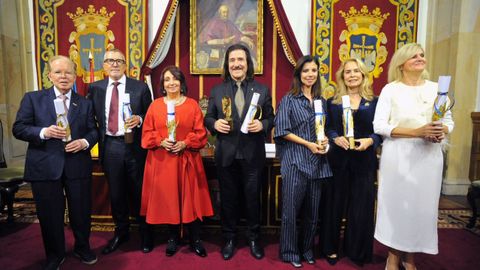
[197, 138]
[151, 136]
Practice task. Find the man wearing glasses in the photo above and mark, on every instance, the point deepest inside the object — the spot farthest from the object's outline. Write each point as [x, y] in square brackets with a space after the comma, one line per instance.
[122, 162]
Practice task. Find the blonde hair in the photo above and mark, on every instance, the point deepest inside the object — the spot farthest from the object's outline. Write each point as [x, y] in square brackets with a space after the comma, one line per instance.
[58, 57]
[399, 58]
[365, 92]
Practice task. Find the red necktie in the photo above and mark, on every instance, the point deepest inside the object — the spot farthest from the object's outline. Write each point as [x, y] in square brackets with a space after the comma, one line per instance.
[113, 113]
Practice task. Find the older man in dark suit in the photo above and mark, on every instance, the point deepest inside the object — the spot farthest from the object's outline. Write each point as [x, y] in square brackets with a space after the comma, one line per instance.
[239, 157]
[54, 166]
[123, 162]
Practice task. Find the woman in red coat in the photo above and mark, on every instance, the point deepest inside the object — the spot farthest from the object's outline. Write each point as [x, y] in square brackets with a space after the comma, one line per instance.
[175, 189]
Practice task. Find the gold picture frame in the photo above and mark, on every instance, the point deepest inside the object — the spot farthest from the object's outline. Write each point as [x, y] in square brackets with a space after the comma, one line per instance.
[217, 24]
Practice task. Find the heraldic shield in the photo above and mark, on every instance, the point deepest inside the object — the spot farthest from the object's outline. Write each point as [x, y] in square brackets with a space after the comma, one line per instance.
[364, 39]
[90, 41]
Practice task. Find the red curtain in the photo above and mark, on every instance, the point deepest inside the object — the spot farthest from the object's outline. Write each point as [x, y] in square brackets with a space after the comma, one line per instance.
[78, 27]
[274, 21]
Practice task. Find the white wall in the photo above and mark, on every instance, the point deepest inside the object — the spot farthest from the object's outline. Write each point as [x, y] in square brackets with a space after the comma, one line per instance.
[156, 9]
[299, 13]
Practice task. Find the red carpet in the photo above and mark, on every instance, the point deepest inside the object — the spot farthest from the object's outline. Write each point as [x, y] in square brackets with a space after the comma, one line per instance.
[21, 249]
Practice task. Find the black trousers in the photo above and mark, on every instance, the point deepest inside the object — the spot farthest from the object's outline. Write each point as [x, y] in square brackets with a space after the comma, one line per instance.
[240, 179]
[50, 203]
[194, 228]
[125, 178]
[351, 194]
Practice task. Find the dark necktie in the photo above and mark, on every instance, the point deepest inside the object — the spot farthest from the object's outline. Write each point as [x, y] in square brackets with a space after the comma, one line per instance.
[239, 99]
[113, 113]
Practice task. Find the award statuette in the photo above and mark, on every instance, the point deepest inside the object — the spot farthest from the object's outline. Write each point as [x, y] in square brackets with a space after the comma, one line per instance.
[62, 120]
[227, 110]
[319, 120]
[127, 113]
[171, 124]
[348, 121]
[442, 102]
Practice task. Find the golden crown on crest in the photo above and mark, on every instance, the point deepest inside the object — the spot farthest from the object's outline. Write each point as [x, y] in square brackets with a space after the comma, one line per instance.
[364, 19]
[91, 19]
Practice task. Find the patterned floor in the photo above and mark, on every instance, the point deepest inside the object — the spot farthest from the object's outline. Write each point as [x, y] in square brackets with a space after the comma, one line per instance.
[24, 212]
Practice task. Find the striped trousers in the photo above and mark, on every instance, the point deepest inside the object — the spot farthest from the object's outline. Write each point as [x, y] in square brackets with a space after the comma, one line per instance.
[298, 193]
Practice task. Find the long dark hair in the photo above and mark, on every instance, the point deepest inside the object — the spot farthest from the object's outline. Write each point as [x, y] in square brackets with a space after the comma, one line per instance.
[178, 74]
[226, 73]
[296, 86]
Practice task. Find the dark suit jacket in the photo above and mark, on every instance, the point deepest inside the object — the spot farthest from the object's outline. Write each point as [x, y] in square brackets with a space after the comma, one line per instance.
[252, 145]
[46, 159]
[360, 161]
[140, 99]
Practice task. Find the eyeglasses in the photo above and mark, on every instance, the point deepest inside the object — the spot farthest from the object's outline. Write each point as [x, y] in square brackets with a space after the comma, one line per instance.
[114, 61]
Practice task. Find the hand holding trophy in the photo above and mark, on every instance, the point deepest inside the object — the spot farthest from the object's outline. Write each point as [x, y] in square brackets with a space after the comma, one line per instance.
[348, 121]
[442, 104]
[127, 113]
[171, 123]
[62, 120]
[319, 120]
[227, 110]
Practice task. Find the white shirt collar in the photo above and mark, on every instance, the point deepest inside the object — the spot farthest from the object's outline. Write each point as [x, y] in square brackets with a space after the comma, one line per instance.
[58, 93]
[122, 80]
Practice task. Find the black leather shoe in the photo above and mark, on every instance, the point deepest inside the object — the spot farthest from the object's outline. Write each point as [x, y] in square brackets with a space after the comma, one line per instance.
[331, 260]
[54, 264]
[147, 243]
[114, 243]
[256, 250]
[87, 256]
[228, 250]
[198, 248]
[172, 247]
[147, 237]
[296, 264]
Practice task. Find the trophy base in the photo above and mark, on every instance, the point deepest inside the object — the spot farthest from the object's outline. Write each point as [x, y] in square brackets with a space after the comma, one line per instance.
[230, 123]
[128, 137]
[351, 141]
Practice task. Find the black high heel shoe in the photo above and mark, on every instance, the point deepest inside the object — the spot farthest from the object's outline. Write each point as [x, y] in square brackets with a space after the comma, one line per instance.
[332, 259]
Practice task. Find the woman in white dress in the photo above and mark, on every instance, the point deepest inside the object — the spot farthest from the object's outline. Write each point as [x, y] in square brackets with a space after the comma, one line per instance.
[411, 163]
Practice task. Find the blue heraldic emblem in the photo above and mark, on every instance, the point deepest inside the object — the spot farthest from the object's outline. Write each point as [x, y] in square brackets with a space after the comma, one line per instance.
[90, 41]
[363, 38]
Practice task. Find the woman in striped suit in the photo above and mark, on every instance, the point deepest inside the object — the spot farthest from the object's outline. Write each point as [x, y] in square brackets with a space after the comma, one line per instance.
[303, 162]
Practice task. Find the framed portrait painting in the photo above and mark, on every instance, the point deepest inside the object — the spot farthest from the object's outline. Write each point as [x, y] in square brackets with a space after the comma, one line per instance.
[217, 24]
